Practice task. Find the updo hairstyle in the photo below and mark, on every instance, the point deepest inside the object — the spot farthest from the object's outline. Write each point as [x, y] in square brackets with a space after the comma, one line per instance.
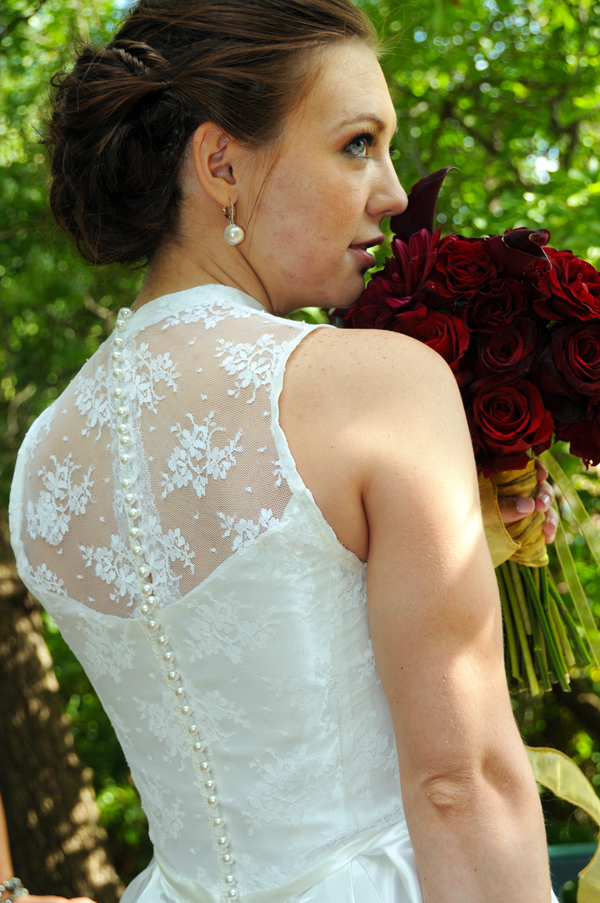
[123, 116]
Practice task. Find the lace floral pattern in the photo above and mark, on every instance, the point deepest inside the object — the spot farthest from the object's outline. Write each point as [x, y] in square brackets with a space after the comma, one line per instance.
[93, 401]
[50, 515]
[195, 459]
[244, 530]
[209, 314]
[220, 628]
[105, 654]
[284, 784]
[252, 365]
[114, 566]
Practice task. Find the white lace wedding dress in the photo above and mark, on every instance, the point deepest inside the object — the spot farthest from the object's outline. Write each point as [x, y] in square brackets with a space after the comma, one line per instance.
[158, 516]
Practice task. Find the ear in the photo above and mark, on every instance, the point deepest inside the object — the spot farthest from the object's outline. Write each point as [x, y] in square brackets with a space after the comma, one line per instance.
[217, 161]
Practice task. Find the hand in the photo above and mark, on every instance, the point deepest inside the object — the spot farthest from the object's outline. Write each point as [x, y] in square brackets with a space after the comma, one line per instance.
[514, 509]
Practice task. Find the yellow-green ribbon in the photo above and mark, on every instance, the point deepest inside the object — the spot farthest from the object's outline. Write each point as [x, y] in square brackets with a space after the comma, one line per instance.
[554, 770]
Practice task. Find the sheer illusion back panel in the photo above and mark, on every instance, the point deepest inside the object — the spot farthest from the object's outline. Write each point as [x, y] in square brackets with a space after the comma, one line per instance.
[208, 478]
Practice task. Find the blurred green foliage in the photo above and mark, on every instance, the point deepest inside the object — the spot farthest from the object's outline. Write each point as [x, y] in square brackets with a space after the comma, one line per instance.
[506, 90]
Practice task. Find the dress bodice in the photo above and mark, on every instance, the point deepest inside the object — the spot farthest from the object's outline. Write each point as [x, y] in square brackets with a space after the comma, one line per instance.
[158, 515]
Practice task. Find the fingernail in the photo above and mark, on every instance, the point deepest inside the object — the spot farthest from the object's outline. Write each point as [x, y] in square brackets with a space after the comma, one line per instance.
[525, 506]
[544, 498]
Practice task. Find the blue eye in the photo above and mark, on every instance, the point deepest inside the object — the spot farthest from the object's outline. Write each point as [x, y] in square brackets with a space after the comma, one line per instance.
[359, 146]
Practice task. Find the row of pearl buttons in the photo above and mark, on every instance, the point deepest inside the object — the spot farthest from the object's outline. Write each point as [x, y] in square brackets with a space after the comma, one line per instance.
[202, 765]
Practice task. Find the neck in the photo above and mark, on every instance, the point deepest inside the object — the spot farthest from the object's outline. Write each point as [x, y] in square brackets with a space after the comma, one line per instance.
[181, 265]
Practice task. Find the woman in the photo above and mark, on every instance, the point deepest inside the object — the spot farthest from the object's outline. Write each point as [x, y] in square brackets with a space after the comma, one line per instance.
[200, 509]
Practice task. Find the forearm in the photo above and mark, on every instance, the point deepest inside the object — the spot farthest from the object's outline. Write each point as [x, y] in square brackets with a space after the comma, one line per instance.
[6, 869]
[479, 838]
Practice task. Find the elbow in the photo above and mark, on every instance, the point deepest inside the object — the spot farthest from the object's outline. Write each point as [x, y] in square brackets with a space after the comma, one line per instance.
[451, 795]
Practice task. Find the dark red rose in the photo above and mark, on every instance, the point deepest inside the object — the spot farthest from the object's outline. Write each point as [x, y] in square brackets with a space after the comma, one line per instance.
[498, 305]
[571, 289]
[506, 422]
[583, 436]
[462, 267]
[506, 355]
[575, 353]
[442, 332]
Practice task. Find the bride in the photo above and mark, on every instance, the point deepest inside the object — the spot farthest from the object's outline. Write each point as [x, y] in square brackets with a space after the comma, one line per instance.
[236, 519]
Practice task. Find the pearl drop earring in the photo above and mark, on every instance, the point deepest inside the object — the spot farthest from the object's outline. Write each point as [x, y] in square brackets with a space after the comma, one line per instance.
[233, 234]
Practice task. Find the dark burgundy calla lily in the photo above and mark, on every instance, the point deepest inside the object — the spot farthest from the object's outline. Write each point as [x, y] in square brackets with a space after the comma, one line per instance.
[518, 249]
[421, 205]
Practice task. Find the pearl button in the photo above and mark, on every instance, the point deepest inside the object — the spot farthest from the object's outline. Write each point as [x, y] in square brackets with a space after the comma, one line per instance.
[147, 589]
[187, 710]
[180, 692]
[230, 879]
[145, 608]
[210, 785]
[133, 513]
[173, 675]
[169, 657]
[143, 570]
[117, 355]
[162, 640]
[137, 549]
[219, 823]
[205, 766]
[118, 342]
[126, 312]
[123, 429]
[134, 532]
[228, 858]
[117, 373]
[122, 411]
[232, 894]
[130, 498]
[199, 746]
[125, 459]
[223, 841]
[124, 441]
[153, 625]
[119, 393]
[126, 482]
[213, 801]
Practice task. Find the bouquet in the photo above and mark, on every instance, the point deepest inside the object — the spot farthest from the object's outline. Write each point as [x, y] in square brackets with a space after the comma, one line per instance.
[518, 322]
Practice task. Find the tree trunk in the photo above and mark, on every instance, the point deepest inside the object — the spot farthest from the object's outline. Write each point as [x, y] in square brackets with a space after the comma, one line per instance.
[56, 842]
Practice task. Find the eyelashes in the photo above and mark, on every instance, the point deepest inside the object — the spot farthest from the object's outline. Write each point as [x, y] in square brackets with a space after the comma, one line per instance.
[360, 145]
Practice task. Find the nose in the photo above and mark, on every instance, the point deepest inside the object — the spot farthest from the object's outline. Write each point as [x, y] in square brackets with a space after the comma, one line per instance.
[388, 197]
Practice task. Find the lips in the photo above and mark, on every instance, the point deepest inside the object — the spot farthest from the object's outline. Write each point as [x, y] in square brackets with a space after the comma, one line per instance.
[360, 250]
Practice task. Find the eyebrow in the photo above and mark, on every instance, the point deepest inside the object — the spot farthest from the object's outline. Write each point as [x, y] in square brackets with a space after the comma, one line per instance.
[367, 117]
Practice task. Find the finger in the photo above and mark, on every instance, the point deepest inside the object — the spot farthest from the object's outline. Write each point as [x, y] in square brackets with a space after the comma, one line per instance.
[514, 509]
[541, 472]
[550, 525]
[544, 496]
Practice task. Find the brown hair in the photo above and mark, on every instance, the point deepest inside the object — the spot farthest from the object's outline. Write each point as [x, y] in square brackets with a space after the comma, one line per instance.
[123, 116]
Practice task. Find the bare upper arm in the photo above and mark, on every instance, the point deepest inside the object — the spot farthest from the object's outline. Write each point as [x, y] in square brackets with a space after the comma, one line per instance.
[380, 437]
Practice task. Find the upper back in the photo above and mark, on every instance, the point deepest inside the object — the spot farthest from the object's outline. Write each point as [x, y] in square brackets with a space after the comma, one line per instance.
[163, 440]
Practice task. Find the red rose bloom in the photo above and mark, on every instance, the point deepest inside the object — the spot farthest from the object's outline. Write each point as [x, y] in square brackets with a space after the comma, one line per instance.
[575, 352]
[583, 436]
[502, 301]
[444, 333]
[572, 288]
[380, 306]
[462, 267]
[506, 422]
[507, 354]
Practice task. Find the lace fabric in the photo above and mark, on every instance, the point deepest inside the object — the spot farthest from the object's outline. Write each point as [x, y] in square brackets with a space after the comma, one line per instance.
[157, 514]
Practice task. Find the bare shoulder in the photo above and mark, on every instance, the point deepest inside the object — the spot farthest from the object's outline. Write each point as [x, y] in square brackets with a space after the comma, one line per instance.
[370, 369]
